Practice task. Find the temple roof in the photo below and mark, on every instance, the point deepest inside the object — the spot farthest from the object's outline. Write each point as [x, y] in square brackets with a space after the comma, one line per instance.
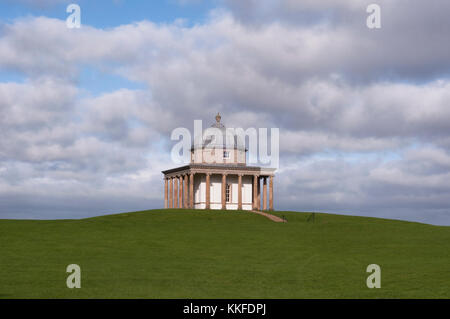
[220, 168]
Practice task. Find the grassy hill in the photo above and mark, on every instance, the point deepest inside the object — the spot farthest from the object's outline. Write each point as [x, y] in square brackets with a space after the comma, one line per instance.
[215, 254]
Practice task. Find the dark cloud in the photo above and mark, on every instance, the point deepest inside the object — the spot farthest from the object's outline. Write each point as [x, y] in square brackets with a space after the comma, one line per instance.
[410, 45]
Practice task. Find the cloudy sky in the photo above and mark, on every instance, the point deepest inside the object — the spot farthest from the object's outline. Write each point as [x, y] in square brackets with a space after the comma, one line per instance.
[364, 114]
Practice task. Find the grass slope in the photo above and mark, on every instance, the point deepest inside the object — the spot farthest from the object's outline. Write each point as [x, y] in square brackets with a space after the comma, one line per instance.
[215, 254]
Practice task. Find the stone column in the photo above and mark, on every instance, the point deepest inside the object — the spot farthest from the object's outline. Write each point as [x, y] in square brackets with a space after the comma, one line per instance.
[240, 191]
[180, 191]
[255, 195]
[191, 191]
[165, 193]
[171, 193]
[264, 193]
[271, 193]
[258, 195]
[224, 196]
[208, 191]
[175, 193]
[186, 191]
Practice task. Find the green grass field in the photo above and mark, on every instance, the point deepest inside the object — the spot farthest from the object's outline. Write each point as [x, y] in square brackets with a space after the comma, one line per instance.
[215, 254]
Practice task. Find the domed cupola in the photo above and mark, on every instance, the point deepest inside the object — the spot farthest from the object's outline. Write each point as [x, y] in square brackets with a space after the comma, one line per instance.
[226, 144]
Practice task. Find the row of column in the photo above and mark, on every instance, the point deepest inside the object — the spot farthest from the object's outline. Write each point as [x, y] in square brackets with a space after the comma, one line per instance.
[257, 193]
[177, 190]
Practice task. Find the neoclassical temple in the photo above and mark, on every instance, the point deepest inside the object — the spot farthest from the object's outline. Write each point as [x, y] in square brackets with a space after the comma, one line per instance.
[224, 183]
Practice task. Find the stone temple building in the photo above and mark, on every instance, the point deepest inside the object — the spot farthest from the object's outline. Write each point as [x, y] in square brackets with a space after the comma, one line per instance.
[226, 182]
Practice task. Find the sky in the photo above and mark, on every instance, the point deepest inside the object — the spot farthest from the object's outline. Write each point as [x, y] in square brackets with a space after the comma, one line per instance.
[86, 114]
